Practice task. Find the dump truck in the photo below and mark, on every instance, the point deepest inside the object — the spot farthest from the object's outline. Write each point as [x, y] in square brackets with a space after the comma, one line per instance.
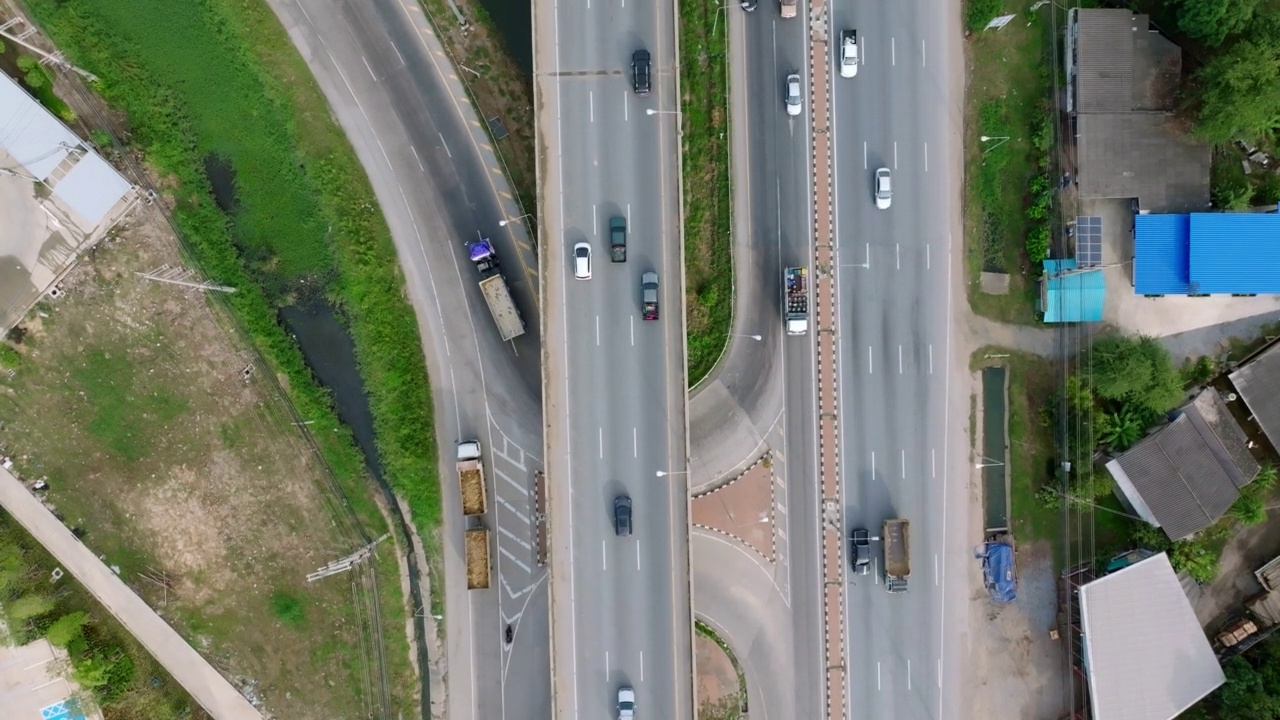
[897, 555]
[787, 8]
[494, 288]
[477, 557]
[471, 477]
[795, 300]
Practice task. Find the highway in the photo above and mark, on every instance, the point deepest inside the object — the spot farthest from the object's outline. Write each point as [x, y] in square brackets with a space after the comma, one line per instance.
[613, 383]
[900, 450]
[439, 183]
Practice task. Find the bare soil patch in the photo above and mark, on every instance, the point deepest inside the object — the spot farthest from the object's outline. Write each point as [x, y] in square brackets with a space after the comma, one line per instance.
[717, 689]
[162, 444]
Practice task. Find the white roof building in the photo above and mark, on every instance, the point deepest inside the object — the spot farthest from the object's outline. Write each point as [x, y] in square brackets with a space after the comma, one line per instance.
[1145, 654]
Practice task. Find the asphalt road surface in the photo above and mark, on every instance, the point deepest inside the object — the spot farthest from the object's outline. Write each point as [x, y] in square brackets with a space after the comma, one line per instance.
[895, 295]
[439, 184]
[614, 383]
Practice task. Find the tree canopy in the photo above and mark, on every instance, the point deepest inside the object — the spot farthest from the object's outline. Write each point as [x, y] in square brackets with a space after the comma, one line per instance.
[1240, 92]
[1211, 21]
[1137, 372]
[1252, 689]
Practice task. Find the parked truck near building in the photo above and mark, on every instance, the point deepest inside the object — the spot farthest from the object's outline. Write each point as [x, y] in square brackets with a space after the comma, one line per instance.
[494, 288]
[470, 468]
[795, 300]
[788, 8]
[897, 555]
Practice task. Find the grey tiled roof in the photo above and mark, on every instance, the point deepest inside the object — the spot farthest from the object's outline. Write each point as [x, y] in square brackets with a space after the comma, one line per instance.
[1104, 60]
[1189, 473]
[1142, 155]
[1147, 656]
[1258, 382]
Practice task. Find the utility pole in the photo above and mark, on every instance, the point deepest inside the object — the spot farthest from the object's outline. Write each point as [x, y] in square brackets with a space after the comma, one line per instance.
[348, 562]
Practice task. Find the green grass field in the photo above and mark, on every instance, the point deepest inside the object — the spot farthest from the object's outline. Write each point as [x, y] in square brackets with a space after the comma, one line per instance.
[708, 254]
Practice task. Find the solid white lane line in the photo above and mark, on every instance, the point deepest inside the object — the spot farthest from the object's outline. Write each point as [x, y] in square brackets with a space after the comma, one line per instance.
[398, 55]
[895, 154]
[908, 674]
[629, 228]
[878, 687]
[923, 58]
[893, 51]
[626, 106]
[931, 358]
[414, 150]
[926, 157]
[933, 462]
[864, 154]
[606, 663]
[928, 259]
[873, 464]
[897, 255]
[641, 666]
[591, 95]
[637, 556]
[597, 331]
[445, 145]
[904, 464]
[871, 369]
[604, 556]
[875, 573]
[633, 331]
[900, 363]
[595, 223]
[366, 67]
[601, 443]
[635, 445]
[939, 672]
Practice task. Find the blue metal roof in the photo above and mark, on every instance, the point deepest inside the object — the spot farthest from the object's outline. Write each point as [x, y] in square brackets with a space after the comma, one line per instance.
[1235, 253]
[1072, 295]
[1161, 245]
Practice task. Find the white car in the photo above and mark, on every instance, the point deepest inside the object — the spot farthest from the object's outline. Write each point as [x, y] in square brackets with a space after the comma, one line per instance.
[884, 191]
[626, 703]
[582, 261]
[792, 95]
[848, 53]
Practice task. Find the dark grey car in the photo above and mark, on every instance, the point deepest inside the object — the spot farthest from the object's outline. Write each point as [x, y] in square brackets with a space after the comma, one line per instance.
[860, 551]
[640, 67]
[622, 515]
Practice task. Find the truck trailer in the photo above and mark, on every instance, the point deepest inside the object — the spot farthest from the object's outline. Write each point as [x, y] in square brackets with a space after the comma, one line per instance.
[897, 555]
[477, 549]
[470, 468]
[494, 288]
[795, 300]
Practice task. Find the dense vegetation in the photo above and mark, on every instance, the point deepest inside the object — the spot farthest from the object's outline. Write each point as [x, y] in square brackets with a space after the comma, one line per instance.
[708, 250]
[119, 675]
[1252, 689]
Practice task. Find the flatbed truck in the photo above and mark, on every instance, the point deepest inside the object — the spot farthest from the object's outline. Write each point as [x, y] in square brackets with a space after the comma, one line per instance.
[795, 300]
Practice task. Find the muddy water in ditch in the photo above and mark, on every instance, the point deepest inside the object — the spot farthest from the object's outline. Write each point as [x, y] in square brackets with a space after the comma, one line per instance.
[330, 353]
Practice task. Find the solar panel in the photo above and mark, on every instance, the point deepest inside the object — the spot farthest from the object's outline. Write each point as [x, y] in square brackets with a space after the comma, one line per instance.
[1088, 241]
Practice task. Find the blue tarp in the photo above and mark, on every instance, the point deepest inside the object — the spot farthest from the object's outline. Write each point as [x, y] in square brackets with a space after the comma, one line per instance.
[997, 572]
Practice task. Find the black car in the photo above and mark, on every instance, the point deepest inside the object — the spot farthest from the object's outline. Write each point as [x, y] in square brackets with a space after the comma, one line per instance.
[860, 552]
[750, 5]
[622, 516]
[640, 72]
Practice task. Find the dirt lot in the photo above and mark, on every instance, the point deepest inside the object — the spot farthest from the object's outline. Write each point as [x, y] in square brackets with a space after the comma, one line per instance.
[131, 398]
[717, 680]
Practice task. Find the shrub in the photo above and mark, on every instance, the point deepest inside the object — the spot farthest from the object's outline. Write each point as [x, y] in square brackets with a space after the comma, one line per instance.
[287, 609]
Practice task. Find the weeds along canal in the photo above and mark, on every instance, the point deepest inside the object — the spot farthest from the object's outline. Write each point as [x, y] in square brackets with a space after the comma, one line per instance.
[330, 353]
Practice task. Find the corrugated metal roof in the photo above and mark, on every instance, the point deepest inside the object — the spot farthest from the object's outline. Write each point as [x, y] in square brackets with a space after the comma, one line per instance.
[1142, 155]
[1161, 245]
[1258, 383]
[31, 134]
[1235, 253]
[41, 143]
[1146, 655]
[1076, 296]
[1183, 475]
[1104, 59]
